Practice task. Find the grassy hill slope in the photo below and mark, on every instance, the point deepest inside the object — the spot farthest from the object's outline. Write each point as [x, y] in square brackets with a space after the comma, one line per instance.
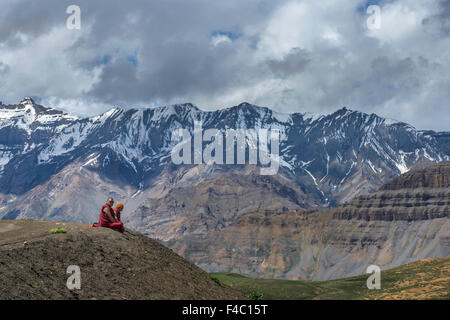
[425, 279]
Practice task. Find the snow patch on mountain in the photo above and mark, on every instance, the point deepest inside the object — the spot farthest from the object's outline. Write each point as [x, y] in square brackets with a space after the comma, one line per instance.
[282, 117]
[69, 139]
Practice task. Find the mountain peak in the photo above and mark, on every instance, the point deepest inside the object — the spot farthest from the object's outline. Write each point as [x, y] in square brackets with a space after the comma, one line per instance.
[184, 106]
[27, 101]
[248, 106]
[344, 111]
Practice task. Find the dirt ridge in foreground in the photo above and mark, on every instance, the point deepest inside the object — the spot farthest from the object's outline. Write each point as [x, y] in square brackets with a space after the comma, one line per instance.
[34, 262]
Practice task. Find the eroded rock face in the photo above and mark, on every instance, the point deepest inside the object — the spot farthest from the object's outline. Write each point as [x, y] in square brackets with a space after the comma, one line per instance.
[389, 228]
[434, 177]
[420, 204]
[214, 203]
[421, 194]
[314, 246]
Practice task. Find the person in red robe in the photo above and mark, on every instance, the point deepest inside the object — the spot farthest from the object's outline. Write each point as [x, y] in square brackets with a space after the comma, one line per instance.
[108, 217]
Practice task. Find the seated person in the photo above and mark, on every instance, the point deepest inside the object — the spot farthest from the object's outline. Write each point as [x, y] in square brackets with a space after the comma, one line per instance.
[118, 210]
[108, 217]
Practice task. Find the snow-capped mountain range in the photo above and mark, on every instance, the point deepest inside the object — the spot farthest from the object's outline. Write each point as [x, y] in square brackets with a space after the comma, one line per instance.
[331, 157]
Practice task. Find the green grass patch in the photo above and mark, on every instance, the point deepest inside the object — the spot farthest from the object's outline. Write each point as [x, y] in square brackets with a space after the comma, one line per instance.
[215, 279]
[255, 295]
[58, 230]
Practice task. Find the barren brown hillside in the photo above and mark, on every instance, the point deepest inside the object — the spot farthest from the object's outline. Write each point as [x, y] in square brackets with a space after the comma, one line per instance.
[33, 265]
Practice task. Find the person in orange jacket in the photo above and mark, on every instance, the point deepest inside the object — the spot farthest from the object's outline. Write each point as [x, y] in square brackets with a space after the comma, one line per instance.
[118, 210]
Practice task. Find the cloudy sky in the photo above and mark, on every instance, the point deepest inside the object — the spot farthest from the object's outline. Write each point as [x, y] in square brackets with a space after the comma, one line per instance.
[289, 55]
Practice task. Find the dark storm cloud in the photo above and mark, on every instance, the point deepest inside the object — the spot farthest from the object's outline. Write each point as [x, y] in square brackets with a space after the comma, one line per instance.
[293, 63]
[172, 43]
[443, 18]
[31, 18]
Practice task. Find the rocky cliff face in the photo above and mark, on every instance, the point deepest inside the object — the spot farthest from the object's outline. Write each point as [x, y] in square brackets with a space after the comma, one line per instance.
[388, 229]
[214, 202]
[421, 194]
[432, 177]
[313, 246]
